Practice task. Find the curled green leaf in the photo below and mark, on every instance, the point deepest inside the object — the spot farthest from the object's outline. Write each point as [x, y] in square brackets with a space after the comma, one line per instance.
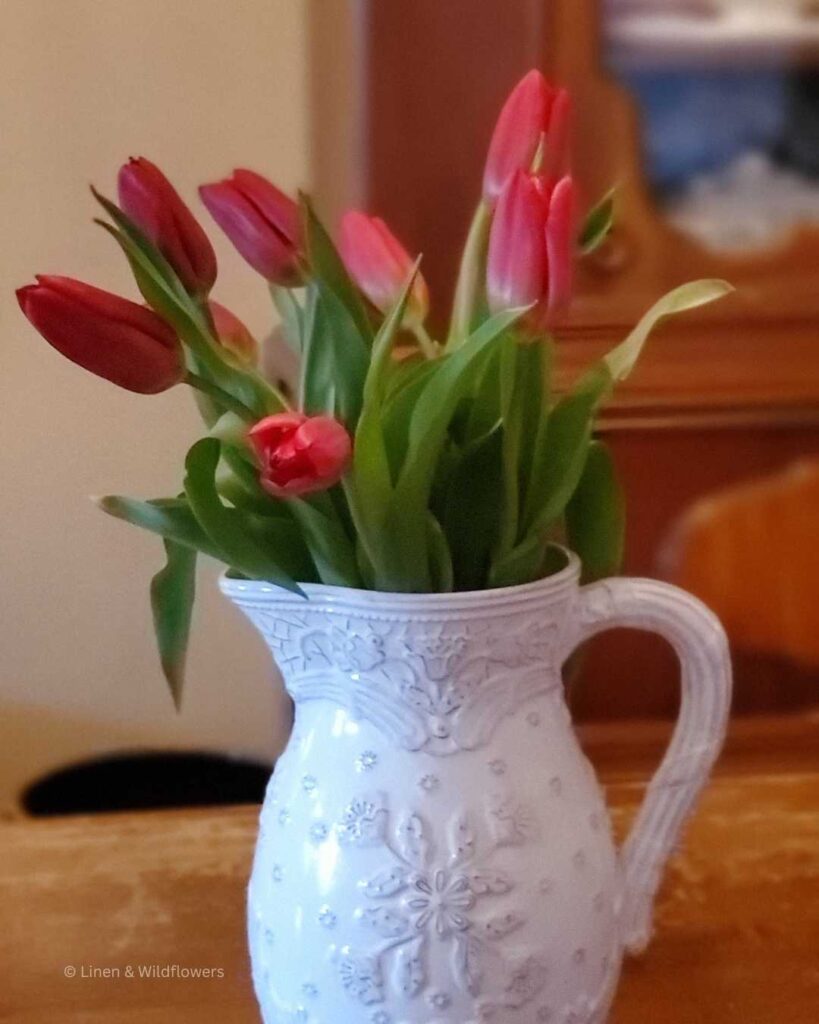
[622, 359]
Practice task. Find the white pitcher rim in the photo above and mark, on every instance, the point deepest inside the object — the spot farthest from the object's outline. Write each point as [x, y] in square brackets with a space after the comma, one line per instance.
[258, 591]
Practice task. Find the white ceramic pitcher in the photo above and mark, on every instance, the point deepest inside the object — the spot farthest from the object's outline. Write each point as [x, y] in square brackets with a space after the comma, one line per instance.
[433, 845]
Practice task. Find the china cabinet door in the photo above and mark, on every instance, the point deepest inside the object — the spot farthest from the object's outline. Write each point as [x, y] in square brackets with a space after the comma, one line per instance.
[704, 113]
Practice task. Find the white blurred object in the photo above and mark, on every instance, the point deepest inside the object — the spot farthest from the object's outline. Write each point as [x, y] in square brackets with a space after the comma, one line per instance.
[751, 203]
[655, 32]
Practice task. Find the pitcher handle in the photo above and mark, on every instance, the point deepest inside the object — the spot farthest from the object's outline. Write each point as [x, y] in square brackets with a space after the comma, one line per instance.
[700, 643]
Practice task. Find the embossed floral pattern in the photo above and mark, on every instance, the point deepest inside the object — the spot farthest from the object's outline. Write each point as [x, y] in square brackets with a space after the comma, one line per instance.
[439, 685]
[364, 821]
[430, 894]
[362, 978]
[582, 1011]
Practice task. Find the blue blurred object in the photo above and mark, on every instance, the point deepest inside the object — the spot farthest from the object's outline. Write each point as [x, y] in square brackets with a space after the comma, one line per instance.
[696, 121]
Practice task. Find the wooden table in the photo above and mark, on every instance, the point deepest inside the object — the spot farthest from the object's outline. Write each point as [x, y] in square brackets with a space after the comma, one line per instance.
[737, 925]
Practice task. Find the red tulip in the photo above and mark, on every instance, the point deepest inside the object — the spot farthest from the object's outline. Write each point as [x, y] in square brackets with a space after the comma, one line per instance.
[299, 454]
[380, 265]
[531, 248]
[152, 202]
[110, 336]
[262, 222]
[534, 112]
[233, 335]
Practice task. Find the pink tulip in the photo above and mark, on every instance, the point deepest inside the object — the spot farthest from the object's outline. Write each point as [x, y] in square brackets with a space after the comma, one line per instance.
[380, 265]
[556, 143]
[233, 335]
[110, 336]
[534, 112]
[149, 199]
[262, 222]
[560, 244]
[516, 262]
[300, 454]
[531, 248]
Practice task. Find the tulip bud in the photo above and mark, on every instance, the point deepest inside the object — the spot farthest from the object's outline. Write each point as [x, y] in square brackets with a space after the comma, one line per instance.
[531, 248]
[380, 265]
[515, 140]
[300, 454]
[149, 199]
[516, 266]
[233, 335]
[114, 338]
[556, 153]
[560, 245]
[262, 222]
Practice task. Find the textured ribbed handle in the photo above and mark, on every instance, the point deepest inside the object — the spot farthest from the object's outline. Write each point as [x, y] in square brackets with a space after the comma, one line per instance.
[702, 648]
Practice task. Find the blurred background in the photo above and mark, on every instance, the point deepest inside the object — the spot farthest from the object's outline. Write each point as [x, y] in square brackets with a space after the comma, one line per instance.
[705, 113]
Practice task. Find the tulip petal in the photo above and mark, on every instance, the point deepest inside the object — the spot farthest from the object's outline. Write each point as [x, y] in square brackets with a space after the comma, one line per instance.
[556, 153]
[233, 335]
[379, 264]
[105, 334]
[517, 260]
[560, 245]
[149, 199]
[277, 208]
[517, 133]
[257, 239]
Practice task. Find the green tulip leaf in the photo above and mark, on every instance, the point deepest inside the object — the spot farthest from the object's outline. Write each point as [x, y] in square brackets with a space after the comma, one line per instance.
[332, 551]
[370, 489]
[522, 564]
[469, 288]
[522, 398]
[405, 523]
[328, 269]
[173, 590]
[229, 529]
[622, 359]
[443, 388]
[396, 412]
[163, 291]
[441, 567]
[291, 314]
[595, 516]
[561, 448]
[170, 518]
[335, 360]
[598, 224]
[470, 510]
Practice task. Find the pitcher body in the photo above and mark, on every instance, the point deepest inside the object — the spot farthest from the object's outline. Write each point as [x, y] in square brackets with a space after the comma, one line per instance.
[433, 845]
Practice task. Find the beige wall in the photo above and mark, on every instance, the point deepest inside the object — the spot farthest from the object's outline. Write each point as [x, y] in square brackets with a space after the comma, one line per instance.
[199, 86]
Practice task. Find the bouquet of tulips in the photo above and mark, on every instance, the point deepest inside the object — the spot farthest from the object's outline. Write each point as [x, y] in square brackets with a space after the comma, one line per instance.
[404, 462]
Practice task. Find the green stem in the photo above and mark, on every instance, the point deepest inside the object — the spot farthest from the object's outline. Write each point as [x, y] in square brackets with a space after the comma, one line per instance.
[470, 276]
[425, 343]
[511, 395]
[211, 355]
[220, 395]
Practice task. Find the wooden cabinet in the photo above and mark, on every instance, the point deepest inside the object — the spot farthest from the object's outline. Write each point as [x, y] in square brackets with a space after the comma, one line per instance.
[724, 395]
